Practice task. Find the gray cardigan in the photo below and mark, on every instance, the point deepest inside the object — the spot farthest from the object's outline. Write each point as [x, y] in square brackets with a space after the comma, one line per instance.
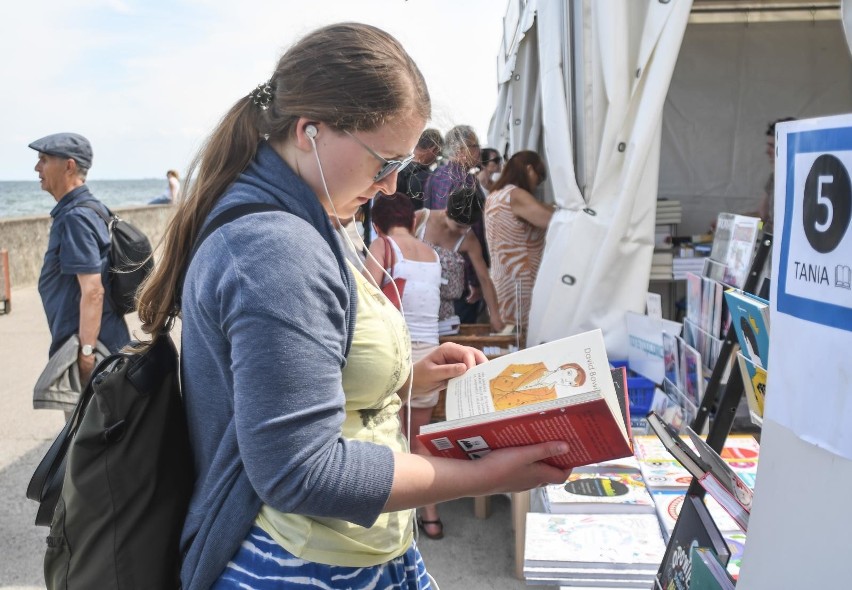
[268, 315]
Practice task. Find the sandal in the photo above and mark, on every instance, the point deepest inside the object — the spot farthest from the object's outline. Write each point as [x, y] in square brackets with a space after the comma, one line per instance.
[422, 524]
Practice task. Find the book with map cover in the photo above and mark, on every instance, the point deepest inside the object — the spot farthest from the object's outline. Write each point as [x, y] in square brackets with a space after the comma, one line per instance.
[616, 544]
[559, 391]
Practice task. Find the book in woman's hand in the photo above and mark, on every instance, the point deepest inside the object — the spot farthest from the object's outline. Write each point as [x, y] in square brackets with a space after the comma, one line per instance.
[559, 391]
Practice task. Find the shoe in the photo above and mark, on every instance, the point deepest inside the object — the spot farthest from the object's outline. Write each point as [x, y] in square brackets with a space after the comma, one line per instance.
[422, 524]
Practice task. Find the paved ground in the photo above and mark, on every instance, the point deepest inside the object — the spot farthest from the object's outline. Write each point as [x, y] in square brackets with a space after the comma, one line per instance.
[474, 555]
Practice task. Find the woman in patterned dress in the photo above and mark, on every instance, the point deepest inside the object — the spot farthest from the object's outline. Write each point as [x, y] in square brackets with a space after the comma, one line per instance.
[515, 225]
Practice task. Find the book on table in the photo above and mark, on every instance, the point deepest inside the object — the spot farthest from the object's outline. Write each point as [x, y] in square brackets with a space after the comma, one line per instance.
[592, 547]
[606, 491]
[559, 391]
[708, 467]
[668, 503]
[694, 528]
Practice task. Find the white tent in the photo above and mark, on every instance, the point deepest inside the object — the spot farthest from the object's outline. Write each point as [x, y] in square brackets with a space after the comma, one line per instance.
[592, 85]
[600, 70]
[589, 85]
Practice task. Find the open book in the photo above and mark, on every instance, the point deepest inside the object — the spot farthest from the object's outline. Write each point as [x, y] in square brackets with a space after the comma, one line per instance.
[711, 471]
[560, 390]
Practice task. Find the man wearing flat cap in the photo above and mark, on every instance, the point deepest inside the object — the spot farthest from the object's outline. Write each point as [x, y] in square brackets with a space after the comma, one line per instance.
[74, 274]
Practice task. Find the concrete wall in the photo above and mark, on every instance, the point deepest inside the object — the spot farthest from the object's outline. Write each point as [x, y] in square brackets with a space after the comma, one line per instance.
[26, 238]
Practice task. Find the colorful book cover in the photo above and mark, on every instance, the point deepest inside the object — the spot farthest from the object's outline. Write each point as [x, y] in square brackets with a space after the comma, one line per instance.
[750, 317]
[694, 528]
[603, 492]
[693, 296]
[736, 545]
[561, 390]
[668, 503]
[741, 250]
[754, 383]
[693, 369]
[671, 356]
[665, 474]
[602, 541]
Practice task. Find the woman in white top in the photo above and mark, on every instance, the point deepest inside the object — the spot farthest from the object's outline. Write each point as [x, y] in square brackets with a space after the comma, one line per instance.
[417, 263]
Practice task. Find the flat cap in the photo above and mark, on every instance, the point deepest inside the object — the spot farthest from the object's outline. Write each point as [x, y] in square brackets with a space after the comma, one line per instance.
[66, 145]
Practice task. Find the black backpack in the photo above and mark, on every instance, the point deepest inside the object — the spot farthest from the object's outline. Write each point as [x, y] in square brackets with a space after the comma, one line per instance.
[130, 260]
[115, 484]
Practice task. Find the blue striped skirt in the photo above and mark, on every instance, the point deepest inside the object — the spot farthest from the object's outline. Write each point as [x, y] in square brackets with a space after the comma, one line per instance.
[261, 564]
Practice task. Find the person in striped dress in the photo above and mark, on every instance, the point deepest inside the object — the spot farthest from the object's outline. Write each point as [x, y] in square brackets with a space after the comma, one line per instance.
[515, 225]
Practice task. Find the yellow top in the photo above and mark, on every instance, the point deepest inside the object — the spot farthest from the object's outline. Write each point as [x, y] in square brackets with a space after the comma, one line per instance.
[376, 368]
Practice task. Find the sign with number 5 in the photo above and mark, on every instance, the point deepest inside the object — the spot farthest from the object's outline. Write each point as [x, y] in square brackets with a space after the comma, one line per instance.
[815, 264]
[809, 387]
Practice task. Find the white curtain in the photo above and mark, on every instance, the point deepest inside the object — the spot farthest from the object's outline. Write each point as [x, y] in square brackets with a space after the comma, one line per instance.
[598, 255]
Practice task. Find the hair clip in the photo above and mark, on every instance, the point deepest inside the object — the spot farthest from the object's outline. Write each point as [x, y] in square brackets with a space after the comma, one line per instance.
[262, 95]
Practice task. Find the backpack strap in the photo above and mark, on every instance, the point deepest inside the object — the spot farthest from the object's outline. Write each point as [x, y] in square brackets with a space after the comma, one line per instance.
[91, 205]
[389, 258]
[226, 216]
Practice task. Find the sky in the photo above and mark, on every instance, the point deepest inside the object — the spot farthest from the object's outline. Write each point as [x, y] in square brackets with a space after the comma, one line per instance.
[146, 80]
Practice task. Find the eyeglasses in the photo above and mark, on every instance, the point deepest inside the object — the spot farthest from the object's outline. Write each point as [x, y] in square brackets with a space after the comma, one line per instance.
[388, 166]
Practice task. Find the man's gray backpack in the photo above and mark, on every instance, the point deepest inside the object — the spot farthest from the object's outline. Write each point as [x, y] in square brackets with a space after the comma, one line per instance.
[115, 484]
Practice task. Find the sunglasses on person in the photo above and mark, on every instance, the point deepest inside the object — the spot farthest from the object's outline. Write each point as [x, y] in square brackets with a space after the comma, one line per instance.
[388, 166]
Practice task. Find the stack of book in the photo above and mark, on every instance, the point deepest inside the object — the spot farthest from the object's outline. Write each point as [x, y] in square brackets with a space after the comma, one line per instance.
[611, 550]
[661, 264]
[682, 265]
[669, 211]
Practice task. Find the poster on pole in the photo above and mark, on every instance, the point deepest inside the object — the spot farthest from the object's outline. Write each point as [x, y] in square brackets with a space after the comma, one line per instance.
[809, 388]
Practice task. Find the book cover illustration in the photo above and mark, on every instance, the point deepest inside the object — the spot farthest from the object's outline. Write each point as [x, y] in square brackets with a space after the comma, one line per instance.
[707, 572]
[694, 372]
[750, 317]
[561, 390]
[736, 541]
[603, 492]
[671, 357]
[741, 250]
[733, 246]
[754, 383]
[677, 410]
[694, 528]
[602, 541]
[666, 404]
[668, 504]
[664, 474]
[693, 296]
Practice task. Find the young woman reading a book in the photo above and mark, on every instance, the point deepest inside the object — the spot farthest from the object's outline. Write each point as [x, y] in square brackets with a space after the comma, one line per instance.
[292, 363]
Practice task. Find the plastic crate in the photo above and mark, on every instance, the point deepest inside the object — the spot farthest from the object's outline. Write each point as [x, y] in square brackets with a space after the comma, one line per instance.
[640, 391]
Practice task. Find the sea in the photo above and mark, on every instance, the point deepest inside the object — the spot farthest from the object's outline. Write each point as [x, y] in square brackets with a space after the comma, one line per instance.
[22, 198]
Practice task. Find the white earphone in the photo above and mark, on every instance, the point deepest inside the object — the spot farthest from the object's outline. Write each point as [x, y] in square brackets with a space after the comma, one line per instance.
[310, 131]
